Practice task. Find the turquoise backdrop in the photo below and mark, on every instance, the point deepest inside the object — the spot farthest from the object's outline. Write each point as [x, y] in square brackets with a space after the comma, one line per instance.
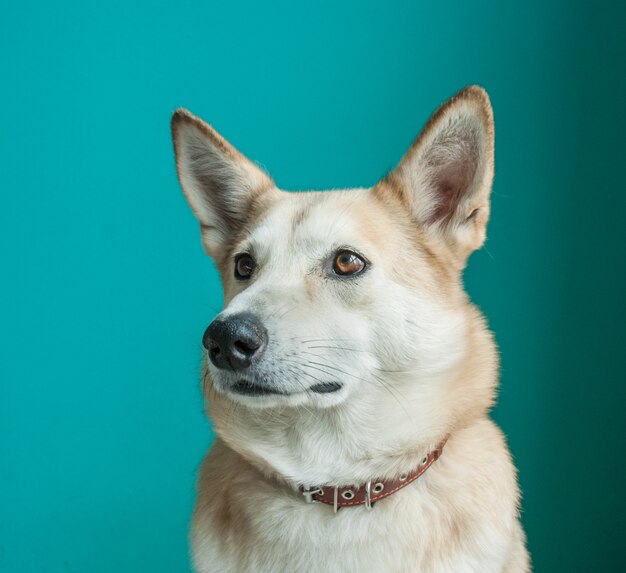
[105, 291]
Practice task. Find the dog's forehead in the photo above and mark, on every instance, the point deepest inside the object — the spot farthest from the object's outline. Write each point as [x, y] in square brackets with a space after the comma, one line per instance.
[312, 221]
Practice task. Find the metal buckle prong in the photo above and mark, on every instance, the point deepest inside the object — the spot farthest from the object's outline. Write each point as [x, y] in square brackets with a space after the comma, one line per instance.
[309, 493]
[335, 499]
[368, 494]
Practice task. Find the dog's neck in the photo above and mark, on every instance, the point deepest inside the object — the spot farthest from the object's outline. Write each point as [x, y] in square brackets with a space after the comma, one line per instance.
[351, 443]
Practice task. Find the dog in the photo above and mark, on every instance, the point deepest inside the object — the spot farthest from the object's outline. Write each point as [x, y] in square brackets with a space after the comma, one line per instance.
[348, 376]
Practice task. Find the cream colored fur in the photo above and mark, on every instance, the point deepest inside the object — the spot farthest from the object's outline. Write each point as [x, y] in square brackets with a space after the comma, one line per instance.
[415, 358]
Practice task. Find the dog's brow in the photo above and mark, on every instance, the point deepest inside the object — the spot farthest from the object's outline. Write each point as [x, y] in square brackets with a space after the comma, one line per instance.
[299, 217]
[246, 246]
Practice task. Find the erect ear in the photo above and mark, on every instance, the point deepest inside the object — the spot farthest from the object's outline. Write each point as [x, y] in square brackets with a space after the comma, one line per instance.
[445, 177]
[221, 185]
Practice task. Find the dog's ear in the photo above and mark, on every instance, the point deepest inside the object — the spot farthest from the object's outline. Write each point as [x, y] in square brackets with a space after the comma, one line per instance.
[221, 184]
[445, 177]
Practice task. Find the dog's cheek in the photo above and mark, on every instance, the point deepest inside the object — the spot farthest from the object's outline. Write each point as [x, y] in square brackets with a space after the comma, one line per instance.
[388, 318]
[393, 342]
[406, 328]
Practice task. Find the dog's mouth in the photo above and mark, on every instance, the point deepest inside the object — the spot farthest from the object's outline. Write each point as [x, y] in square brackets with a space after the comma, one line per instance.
[326, 387]
[250, 388]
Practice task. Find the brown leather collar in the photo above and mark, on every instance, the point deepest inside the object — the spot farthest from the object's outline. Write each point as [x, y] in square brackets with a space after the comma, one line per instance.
[370, 492]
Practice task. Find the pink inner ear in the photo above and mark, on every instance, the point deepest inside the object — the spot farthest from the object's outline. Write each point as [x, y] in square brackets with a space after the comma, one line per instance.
[451, 176]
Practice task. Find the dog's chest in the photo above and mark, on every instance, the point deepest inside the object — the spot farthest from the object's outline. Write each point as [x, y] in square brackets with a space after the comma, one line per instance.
[411, 533]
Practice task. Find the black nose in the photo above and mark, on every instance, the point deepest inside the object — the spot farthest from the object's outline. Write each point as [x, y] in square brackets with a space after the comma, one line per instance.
[233, 341]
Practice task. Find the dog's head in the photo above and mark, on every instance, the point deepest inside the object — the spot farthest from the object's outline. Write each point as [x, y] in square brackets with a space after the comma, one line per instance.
[339, 296]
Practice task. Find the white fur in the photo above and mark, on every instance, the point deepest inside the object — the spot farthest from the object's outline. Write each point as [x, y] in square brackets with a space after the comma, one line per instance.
[415, 360]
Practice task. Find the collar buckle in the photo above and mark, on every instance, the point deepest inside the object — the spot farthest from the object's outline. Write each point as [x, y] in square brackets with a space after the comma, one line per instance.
[308, 494]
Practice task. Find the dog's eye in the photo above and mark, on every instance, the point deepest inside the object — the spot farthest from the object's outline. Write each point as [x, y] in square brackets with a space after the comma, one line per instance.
[244, 266]
[347, 263]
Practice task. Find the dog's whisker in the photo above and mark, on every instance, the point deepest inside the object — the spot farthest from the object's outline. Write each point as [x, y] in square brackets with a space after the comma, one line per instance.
[306, 390]
[387, 371]
[288, 311]
[320, 339]
[280, 308]
[317, 380]
[339, 348]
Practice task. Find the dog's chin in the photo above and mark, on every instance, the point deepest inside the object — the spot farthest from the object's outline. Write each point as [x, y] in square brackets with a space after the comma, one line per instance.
[261, 394]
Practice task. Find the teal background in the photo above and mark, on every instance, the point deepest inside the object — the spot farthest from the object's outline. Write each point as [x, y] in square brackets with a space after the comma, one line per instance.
[105, 291]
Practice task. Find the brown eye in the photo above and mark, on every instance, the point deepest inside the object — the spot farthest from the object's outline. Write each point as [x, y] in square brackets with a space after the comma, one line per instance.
[348, 263]
[244, 266]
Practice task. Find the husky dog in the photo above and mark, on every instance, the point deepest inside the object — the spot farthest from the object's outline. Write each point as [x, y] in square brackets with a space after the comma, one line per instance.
[348, 377]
